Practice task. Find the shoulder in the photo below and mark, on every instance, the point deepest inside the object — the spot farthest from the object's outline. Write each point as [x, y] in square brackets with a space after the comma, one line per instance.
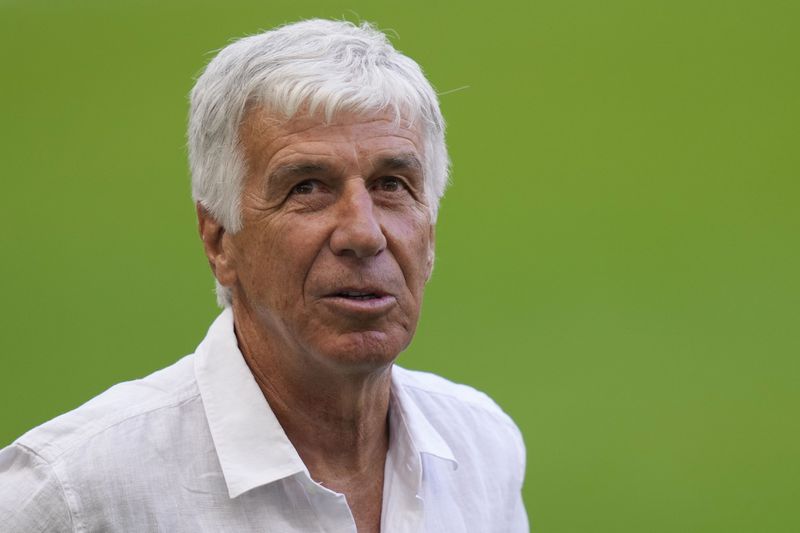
[32, 498]
[114, 412]
[484, 452]
[443, 392]
[459, 411]
[49, 476]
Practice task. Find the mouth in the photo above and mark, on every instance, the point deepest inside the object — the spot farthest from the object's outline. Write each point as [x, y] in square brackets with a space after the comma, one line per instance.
[361, 301]
[358, 295]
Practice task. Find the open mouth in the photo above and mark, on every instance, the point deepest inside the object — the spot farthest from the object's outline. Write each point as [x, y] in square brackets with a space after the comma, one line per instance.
[360, 302]
[357, 295]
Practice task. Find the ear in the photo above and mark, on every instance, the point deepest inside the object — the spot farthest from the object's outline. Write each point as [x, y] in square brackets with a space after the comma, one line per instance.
[217, 246]
[431, 253]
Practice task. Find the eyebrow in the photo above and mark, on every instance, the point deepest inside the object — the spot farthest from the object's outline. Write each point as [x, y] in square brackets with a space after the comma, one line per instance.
[405, 161]
[292, 171]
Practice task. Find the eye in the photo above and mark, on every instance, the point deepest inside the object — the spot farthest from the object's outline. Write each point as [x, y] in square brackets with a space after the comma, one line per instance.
[390, 184]
[304, 187]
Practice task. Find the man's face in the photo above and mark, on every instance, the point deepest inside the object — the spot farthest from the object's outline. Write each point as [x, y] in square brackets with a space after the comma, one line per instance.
[337, 241]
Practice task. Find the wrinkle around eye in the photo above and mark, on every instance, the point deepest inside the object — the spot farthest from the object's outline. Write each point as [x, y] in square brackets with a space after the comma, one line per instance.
[404, 189]
[259, 204]
[319, 197]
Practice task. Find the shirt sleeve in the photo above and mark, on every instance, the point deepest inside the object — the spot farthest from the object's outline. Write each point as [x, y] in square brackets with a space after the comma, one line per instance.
[519, 516]
[31, 495]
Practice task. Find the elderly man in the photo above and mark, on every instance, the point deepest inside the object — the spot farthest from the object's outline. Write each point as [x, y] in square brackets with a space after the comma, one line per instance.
[318, 161]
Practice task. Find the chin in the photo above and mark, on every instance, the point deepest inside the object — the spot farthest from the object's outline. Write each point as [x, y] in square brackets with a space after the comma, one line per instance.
[363, 351]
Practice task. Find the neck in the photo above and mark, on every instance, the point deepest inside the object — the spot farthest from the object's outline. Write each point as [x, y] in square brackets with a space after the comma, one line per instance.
[336, 418]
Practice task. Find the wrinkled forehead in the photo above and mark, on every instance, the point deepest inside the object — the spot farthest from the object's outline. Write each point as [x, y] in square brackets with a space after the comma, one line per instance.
[268, 139]
[264, 131]
[261, 114]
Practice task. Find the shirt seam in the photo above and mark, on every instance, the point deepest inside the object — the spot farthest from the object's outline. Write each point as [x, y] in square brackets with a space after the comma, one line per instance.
[61, 452]
[74, 515]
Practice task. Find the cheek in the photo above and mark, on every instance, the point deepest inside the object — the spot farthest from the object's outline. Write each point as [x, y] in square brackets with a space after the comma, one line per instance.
[265, 262]
[412, 249]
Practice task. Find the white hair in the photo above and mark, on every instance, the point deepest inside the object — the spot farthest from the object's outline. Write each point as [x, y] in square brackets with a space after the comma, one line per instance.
[323, 66]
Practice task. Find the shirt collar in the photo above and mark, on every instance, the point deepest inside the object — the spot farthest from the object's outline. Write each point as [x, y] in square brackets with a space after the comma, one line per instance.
[251, 446]
[412, 424]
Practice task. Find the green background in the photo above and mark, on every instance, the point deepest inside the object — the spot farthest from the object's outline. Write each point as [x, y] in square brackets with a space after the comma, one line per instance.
[617, 257]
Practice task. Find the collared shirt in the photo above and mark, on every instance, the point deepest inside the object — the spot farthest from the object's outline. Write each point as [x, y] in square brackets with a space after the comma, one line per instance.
[196, 447]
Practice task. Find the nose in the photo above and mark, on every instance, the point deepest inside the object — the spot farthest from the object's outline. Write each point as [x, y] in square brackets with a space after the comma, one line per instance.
[357, 231]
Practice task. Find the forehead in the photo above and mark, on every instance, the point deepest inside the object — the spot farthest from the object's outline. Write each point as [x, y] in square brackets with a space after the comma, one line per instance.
[267, 139]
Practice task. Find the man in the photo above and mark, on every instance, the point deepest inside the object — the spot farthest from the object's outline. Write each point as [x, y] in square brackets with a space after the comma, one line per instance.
[318, 161]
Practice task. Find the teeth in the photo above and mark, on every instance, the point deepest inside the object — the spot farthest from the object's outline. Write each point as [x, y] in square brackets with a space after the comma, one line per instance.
[358, 295]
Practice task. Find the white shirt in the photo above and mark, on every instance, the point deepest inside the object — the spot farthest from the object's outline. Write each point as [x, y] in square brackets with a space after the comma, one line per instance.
[195, 447]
